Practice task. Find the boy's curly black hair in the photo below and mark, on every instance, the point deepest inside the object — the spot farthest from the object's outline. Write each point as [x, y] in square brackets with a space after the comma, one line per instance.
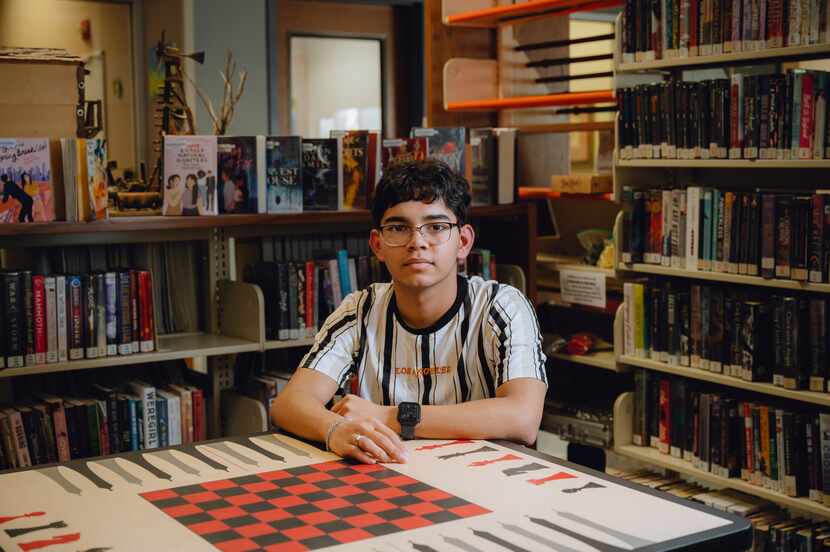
[428, 180]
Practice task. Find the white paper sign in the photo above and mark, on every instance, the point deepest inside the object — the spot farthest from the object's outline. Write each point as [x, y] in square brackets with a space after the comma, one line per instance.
[583, 288]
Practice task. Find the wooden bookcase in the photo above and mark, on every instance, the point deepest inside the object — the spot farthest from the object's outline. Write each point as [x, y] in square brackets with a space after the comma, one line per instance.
[742, 174]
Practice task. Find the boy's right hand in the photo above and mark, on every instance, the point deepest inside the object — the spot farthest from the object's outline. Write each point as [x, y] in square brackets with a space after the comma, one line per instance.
[367, 440]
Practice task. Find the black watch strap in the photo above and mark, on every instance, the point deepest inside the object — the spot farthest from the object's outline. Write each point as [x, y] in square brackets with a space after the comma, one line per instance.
[407, 432]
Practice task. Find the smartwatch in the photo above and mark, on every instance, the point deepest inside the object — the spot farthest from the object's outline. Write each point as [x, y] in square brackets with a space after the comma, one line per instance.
[409, 415]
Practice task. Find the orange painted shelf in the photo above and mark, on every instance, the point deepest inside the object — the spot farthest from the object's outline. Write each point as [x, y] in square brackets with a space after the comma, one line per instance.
[524, 102]
[529, 192]
[518, 13]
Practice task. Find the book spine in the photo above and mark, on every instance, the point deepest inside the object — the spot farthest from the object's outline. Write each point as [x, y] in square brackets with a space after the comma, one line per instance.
[39, 313]
[665, 416]
[91, 317]
[783, 251]
[111, 309]
[51, 320]
[76, 317]
[815, 258]
[805, 138]
[15, 328]
[768, 236]
[147, 316]
[101, 313]
[62, 323]
[124, 325]
[29, 319]
[135, 316]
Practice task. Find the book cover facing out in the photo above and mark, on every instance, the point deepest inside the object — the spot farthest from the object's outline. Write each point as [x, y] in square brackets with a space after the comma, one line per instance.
[26, 181]
[190, 183]
[283, 174]
[237, 174]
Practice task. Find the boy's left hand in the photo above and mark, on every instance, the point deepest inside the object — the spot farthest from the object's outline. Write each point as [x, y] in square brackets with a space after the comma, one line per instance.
[352, 406]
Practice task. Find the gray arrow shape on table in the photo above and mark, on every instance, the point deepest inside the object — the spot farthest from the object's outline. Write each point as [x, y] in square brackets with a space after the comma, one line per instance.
[461, 544]
[500, 541]
[262, 450]
[632, 540]
[485, 448]
[144, 463]
[83, 469]
[538, 538]
[283, 445]
[192, 450]
[226, 449]
[170, 458]
[55, 475]
[112, 465]
[519, 470]
[599, 545]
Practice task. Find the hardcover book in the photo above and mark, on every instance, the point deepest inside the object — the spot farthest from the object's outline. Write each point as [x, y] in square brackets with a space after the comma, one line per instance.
[355, 168]
[402, 150]
[96, 174]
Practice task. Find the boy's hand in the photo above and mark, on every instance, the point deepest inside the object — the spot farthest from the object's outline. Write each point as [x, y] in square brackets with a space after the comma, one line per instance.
[353, 407]
[367, 440]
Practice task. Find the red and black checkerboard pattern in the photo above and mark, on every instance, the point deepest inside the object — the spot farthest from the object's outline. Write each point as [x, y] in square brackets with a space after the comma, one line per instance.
[309, 507]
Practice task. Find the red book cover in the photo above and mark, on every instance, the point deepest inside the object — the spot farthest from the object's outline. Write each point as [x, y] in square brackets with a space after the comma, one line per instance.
[104, 433]
[775, 23]
[694, 26]
[309, 298]
[748, 446]
[403, 149]
[59, 427]
[805, 141]
[665, 420]
[134, 315]
[39, 312]
[199, 429]
[145, 301]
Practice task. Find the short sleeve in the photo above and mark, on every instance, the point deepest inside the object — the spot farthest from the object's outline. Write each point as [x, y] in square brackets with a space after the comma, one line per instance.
[514, 338]
[336, 342]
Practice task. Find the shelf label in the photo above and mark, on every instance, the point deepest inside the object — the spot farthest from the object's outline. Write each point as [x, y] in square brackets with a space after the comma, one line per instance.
[583, 288]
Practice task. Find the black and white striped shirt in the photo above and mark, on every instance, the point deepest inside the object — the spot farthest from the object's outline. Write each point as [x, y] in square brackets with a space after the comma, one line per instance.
[489, 336]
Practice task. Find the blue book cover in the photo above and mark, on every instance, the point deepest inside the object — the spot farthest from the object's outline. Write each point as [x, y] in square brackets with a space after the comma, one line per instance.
[162, 420]
[343, 268]
[283, 174]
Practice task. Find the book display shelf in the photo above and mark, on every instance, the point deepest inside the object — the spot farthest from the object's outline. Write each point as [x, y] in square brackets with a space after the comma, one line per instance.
[783, 175]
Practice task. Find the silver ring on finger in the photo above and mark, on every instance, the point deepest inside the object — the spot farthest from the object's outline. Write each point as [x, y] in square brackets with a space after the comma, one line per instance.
[356, 438]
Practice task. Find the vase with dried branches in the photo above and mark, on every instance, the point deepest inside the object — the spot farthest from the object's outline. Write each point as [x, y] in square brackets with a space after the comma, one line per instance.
[230, 96]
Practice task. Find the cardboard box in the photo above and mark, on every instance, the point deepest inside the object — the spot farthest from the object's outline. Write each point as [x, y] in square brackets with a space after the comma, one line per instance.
[40, 93]
[582, 183]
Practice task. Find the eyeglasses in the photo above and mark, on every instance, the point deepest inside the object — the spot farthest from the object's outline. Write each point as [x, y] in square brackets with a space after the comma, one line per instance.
[434, 233]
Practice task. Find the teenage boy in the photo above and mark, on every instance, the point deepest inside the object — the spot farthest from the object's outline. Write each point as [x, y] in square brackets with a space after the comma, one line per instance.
[436, 355]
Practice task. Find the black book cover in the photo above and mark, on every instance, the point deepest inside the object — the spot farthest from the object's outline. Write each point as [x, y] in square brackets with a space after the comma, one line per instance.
[672, 324]
[31, 429]
[777, 306]
[791, 341]
[684, 309]
[763, 104]
[124, 334]
[321, 174]
[679, 408]
[825, 262]
[13, 313]
[716, 333]
[656, 327]
[745, 220]
[784, 211]
[282, 286]
[91, 317]
[800, 237]
[768, 243]
[716, 453]
[815, 257]
[735, 233]
[818, 343]
[28, 316]
[786, 137]
[753, 260]
[639, 227]
[730, 438]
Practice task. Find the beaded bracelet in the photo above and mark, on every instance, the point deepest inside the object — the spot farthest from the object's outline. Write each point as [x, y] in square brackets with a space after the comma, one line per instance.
[332, 427]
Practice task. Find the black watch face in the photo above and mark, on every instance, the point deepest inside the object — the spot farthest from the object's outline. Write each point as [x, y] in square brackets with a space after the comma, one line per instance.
[409, 413]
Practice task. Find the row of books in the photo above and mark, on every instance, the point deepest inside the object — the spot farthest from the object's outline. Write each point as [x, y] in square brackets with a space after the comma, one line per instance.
[773, 529]
[107, 420]
[177, 275]
[768, 445]
[59, 318]
[778, 116]
[667, 29]
[781, 338]
[300, 295]
[767, 234]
